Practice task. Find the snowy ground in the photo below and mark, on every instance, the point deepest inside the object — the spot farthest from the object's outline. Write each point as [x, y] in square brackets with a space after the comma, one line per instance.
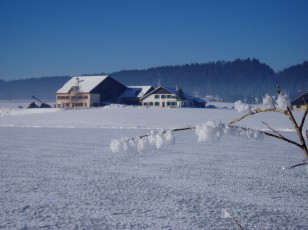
[57, 172]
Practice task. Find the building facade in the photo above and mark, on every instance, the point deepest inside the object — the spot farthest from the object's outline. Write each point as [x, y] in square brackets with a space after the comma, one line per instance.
[88, 91]
[171, 97]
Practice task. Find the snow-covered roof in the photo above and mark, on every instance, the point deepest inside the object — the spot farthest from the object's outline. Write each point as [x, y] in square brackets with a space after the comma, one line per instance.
[135, 91]
[186, 96]
[86, 83]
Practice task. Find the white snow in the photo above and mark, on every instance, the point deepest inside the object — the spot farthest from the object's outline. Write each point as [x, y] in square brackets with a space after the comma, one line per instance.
[58, 172]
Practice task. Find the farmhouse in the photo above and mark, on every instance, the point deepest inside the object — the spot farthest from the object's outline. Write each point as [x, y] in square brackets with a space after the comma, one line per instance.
[171, 97]
[300, 103]
[87, 91]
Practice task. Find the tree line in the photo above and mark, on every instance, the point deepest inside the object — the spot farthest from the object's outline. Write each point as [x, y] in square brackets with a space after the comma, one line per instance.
[241, 79]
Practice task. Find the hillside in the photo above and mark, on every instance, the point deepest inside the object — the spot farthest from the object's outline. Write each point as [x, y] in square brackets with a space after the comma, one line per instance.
[229, 80]
[239, 79]
[44, 88]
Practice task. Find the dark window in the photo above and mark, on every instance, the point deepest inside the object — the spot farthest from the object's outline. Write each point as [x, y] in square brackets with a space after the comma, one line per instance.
[157, 96]
[163, 96]
[156, 103]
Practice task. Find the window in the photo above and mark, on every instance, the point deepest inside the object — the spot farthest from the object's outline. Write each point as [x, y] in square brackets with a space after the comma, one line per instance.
[156, 96]
[151, 103]
[156, 103]
[163, 96]
[169, 96]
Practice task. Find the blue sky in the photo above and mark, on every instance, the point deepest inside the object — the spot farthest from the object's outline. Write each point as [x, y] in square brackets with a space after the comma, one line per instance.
[72, 37]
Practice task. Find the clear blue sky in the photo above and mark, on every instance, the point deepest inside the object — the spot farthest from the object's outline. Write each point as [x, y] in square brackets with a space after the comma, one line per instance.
[71, 37]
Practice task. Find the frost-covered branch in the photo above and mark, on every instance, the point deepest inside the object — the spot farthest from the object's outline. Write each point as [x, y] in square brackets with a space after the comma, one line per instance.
[253, 112]
[279, 136]
[213, 131]
[209, 132]
[303, 120]
[143, 143]
[227, 214]
[297, 165]
[281, 105]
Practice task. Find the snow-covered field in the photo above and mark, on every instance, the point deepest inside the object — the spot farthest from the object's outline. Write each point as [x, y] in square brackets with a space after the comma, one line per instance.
[58, 172]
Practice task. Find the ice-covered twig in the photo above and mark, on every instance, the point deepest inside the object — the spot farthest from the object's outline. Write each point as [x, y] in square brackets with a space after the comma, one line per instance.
[269, 101]
[213, 131]
[303, 119]
[227, 214]
[260, 110]
[283, 101]
[301, 164]
[279, 135]
[281, 106]
[242, 107]
[210, 131]
[154, 140]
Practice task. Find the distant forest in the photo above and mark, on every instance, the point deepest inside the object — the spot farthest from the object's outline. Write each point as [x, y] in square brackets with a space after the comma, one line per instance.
[240, 79]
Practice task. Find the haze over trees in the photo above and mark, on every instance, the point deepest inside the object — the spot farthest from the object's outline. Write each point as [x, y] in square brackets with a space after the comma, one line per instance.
[241, 79]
